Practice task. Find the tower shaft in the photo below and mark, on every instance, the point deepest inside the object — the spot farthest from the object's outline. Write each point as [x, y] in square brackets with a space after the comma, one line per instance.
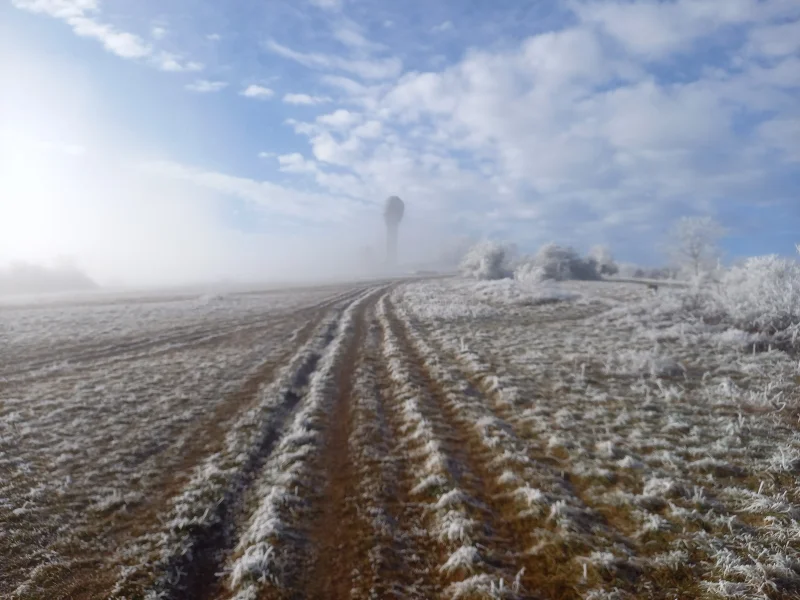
[391, 244]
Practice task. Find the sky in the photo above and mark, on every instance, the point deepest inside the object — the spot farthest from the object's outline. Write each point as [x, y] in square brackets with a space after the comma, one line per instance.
[159, 142]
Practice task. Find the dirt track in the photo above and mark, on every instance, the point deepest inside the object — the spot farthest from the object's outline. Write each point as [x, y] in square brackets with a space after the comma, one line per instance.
[346, 449]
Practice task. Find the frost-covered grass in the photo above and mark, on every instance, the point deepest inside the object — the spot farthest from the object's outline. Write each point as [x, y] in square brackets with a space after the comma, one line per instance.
[763, 295]
[672, 426]
[466, 299]
[93, 450]
[53, 336]
[496, 439]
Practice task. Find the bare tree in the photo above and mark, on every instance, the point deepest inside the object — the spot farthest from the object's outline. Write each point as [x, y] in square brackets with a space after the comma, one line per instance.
[694, 244]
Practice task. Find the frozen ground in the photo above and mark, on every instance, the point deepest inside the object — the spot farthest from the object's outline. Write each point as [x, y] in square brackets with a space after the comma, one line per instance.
[415, 439]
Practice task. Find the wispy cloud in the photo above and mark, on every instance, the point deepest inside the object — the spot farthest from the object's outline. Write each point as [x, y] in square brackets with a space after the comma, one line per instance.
[656, 30]
[257, 92]
[350, 34]
[331, 5]
[339, 119]
[606, 117]
[277, 199]
[442, 27]
[566, 121]
[172, 63]
[204, 86]
[121, 43]
[376, 68]
[158, 32]
[83, 16]
[296, 163]
[305, 99]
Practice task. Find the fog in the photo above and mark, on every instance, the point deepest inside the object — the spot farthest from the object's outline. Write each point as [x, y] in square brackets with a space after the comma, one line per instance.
[25, 278]
[76, 185]
[124, 223]
[125, 227]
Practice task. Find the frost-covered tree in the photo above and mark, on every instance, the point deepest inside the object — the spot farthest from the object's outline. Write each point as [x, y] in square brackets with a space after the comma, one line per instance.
[604, 260]
[560, 263]
[487, 260]
[694, 245]
[555, 261]
[763, 294]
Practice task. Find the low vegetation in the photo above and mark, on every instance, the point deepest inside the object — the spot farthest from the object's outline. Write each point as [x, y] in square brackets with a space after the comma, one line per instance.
[514, 437]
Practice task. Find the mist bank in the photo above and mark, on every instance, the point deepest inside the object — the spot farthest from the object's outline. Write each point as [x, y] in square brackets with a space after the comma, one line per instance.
[29, 278]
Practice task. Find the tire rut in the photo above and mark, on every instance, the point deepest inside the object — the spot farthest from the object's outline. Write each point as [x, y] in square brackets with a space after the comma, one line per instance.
[498, 538]
[89, 578]
[290, 549]
[547, 571]
[182, 339]
[336, 534]
[367, 540]
[194, 571]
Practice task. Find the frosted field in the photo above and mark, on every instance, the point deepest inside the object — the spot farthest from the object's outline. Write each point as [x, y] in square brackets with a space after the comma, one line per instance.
[416, 439]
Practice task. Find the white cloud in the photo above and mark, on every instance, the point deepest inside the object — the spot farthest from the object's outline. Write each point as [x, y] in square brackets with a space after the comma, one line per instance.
[158, 32]
[74, 12]
[121, 43]
[339, 119]
[565, 120]
[382, 68]
[782, 134]
[775, 40]
[257, 92]
[175, 64]
[296, 163]
[214, 37]
[350, 34]
[321, 208]
[81, 15]
[61, 9]
[204, 86]
[331, 5]
[369, 130]
[442, 27]
[327, 149]
[655, 30]
[347, 85]
[305, 99]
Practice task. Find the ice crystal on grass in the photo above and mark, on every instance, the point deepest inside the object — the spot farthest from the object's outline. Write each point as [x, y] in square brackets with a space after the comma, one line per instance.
[465, 559]
[485, 587]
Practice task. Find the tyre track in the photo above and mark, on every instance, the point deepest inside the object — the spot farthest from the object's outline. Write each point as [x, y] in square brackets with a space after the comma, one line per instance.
[203, 532]
[366, 540]
[337, 535]
[207, 437]
[479, 546]
[275, 551]
[561, 564]
[79, 358]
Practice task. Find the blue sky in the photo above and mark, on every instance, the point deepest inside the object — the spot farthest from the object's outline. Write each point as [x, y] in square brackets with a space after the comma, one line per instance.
[160, 141]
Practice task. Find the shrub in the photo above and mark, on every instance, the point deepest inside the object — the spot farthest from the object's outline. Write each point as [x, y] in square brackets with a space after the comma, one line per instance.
[602, 257]
[561, 263]
[487, 260]
[763, 295]
[529, 272]
[490, 260]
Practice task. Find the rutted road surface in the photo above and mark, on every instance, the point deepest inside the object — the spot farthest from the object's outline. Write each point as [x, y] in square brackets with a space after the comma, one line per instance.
[347, 448]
